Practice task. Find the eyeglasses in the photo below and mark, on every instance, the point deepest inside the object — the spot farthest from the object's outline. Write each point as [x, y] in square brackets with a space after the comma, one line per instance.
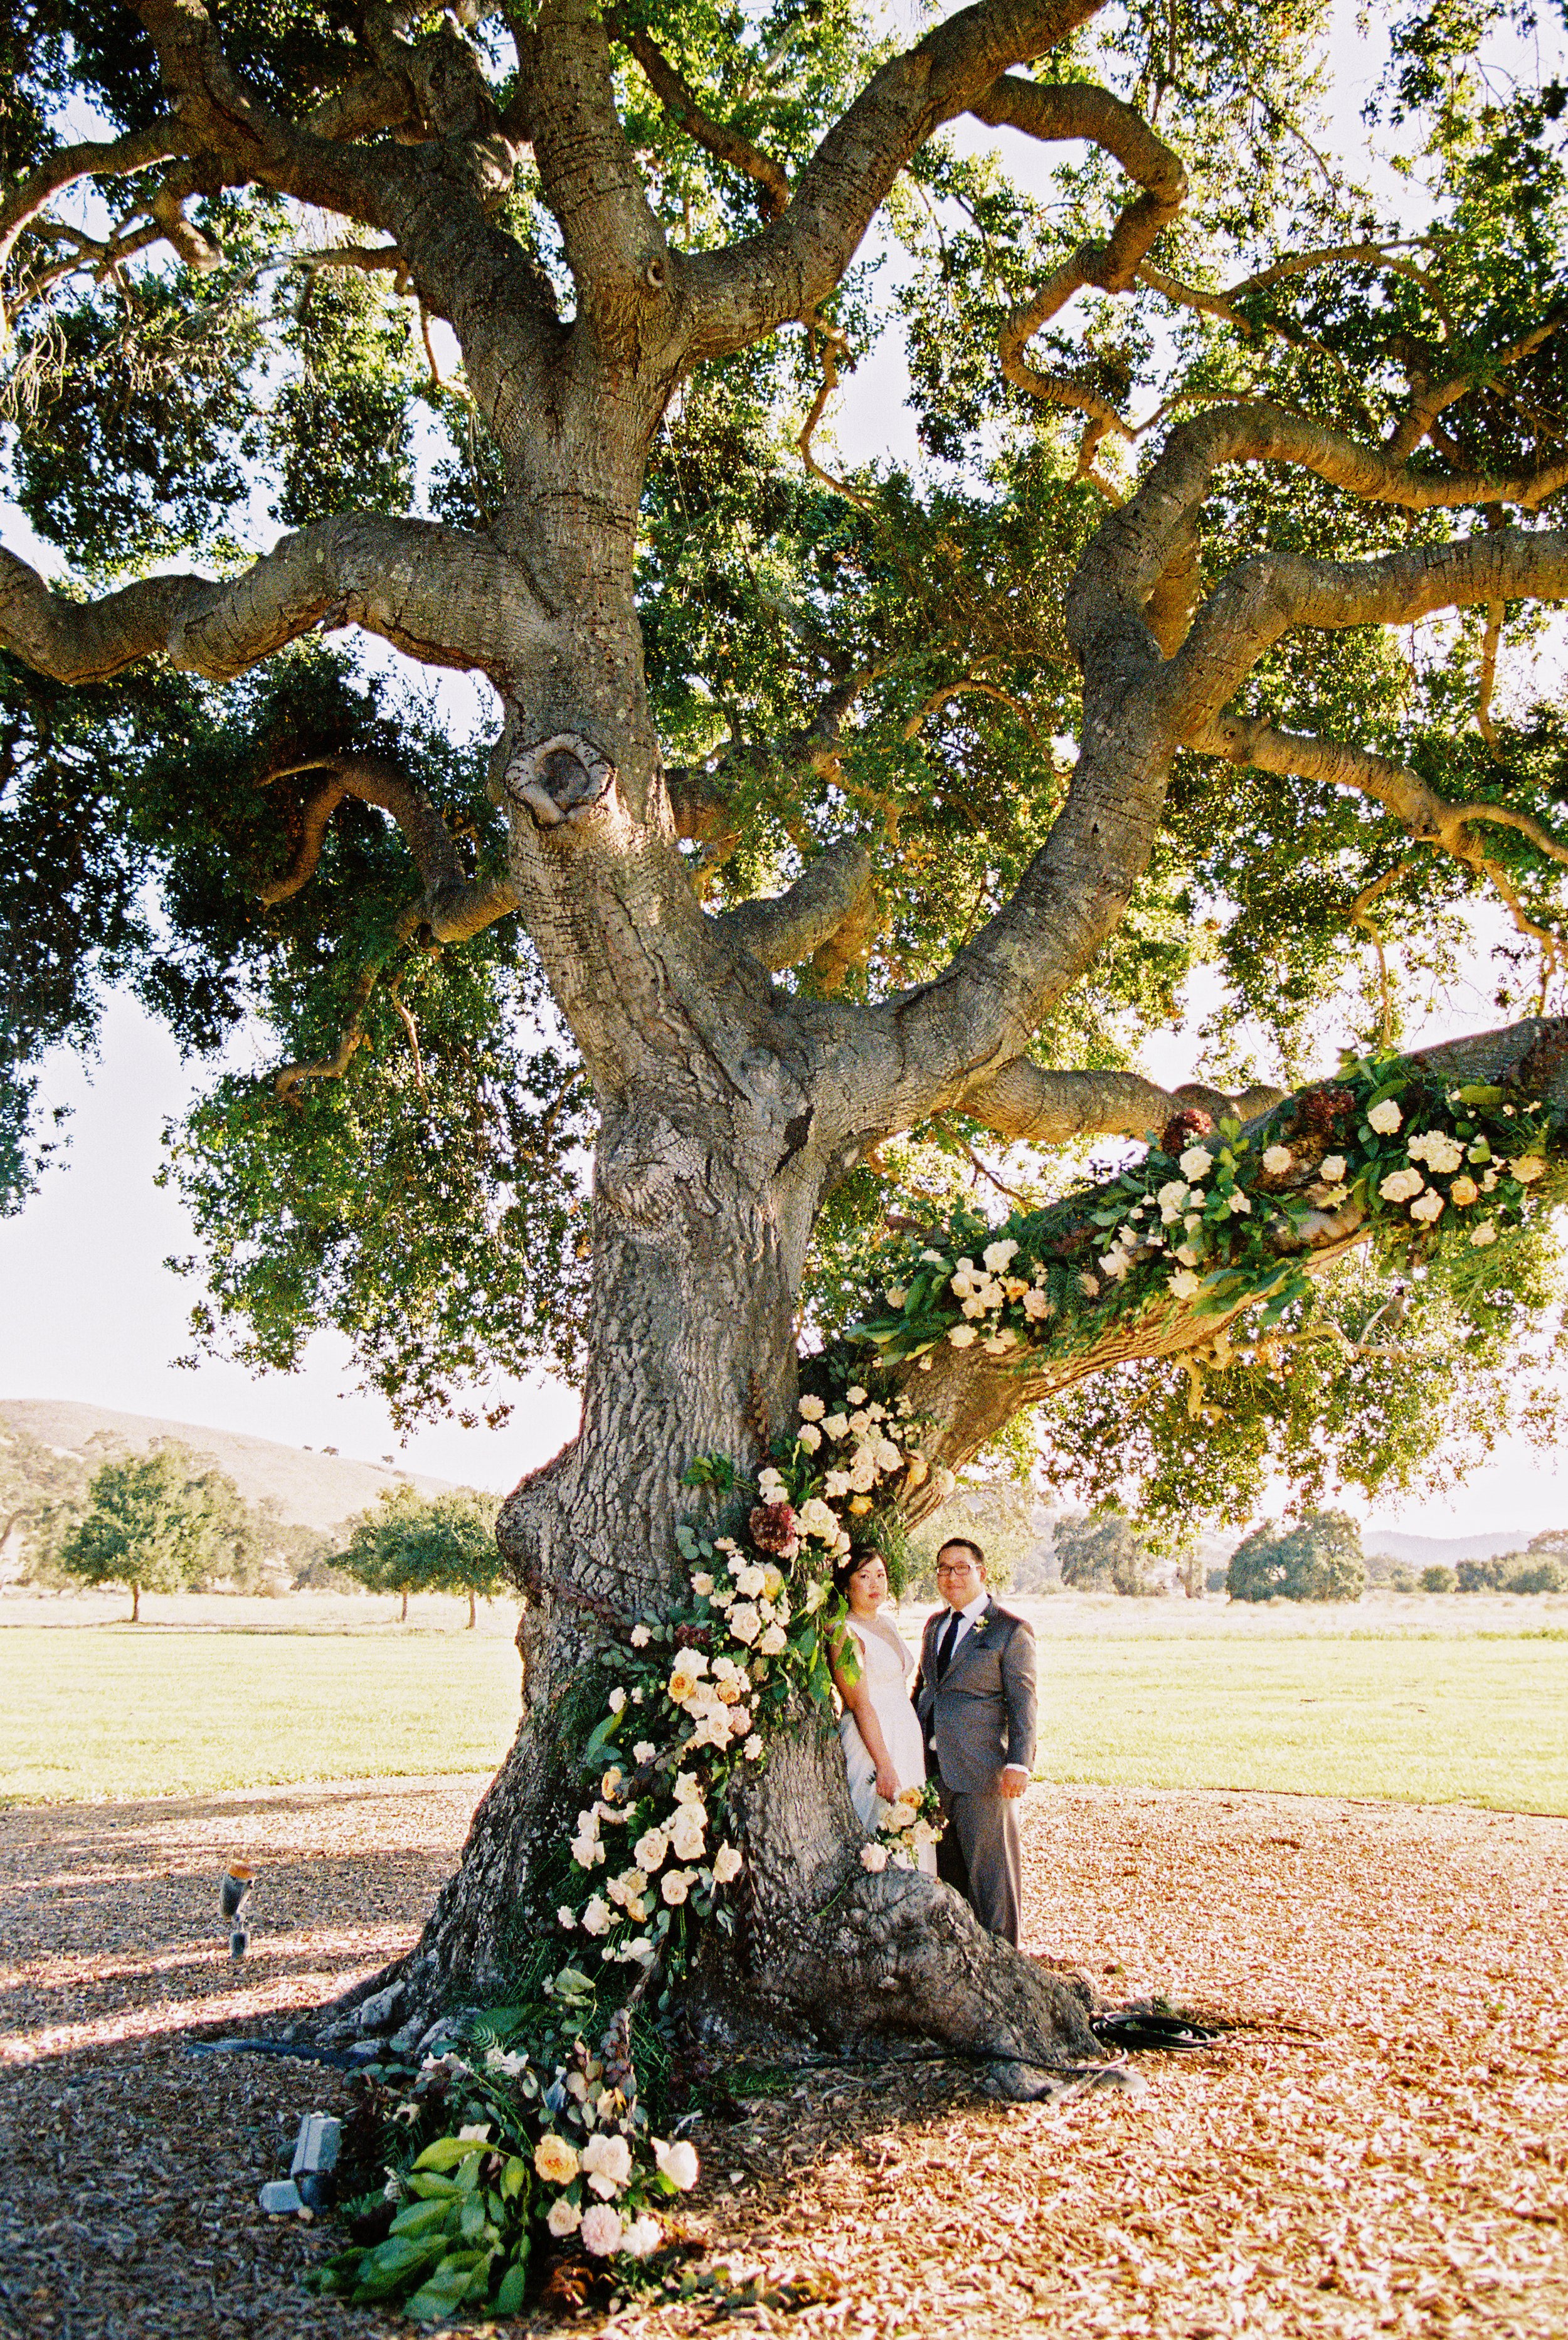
[955, 1567]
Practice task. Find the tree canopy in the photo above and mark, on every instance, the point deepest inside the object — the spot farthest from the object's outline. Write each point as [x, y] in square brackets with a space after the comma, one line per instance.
[1197, 641]
[1318, 1558]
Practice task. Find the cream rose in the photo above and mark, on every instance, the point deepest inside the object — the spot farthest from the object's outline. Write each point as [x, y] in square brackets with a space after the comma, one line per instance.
[1428, 1209]
[1184, 1284]
[1331, 1169]
[649, 1850]
[811, 1408]
[1482, 1233]
[555, 2160]
[1463, 1191]
[674, 1885]
[808, 1436]
[874, 1857]
[1526, 1167]
[727, 1864]
[1386, 1117]
[564, 2218]
[962, 1336]
[744, 1622]
[1196, 1163]
[1277, 1159]
[1401, 1185]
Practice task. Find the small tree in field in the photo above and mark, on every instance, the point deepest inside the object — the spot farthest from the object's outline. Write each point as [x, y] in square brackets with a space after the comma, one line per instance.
[409, 1542]
[1100, 1552]
[1317, 1559]
[153, 1524]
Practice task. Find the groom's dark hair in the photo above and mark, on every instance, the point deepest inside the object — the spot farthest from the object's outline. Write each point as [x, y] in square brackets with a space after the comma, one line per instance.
[964, 1544]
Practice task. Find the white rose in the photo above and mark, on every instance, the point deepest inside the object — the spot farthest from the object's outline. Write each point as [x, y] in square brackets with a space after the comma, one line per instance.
[601, 2230]
[1463, 1191]
[1196, 1162]
[641, 2238]
[856, 1396]
[773, 1640]
[1186, 1255]
[674, 1885]
[1000, 1254]
[596, 1918]
[1401, 1185]
[1237, 1203]
[1115, 1264]
[1089, 1286]
[752, 1748]
[586, 1850]
[678, 2162]
[640, 1637]
[1386, 1117]
[606, 2163]
[644, 1752]
[818, 1519]
[897, 1295]
[565, 2217]
[1173, 1194]
[744, 1622]
[1528, 1166]
[1482, 1234]
[750, 1581]
[874, 1857]
[1436, 1149]
[961, 1335]
[727, 1864]
[702, 1583]
[808, 1436]
[1331, 1169]
[811, 1408]
[1184, 1284]
[649, 1850]
[616, 1700]
[1036, 1306]
[836, 1426]
[1276, 1159]
[686, 1834]
[565, 1917]
[1429, 1208]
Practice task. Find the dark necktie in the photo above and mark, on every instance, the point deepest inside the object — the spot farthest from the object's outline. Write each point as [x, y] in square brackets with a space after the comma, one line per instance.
[949, 1643]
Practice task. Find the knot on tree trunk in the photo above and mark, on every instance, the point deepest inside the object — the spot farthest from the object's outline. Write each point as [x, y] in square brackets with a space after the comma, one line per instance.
[562, 778]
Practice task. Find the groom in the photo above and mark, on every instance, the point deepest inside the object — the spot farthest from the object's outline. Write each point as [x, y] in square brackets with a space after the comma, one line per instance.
[975, 1696]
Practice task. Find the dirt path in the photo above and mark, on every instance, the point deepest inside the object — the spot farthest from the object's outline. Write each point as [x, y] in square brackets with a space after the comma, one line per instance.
[1385, 2150]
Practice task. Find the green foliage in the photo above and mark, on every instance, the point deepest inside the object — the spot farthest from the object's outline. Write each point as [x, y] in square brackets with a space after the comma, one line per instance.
[432, 1209]
[1541, 1569]
[156, 1523]
[409, 1542]
[1319, 1559]
[1438, 1579]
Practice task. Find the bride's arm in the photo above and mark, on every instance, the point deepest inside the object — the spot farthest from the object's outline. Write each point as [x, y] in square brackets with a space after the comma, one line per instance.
[855, 1691]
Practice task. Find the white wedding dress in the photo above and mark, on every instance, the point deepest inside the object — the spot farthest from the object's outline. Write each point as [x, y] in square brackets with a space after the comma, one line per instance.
[888, 1667]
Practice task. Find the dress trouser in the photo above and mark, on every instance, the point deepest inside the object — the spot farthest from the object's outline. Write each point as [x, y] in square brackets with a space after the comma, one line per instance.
[980, 1855]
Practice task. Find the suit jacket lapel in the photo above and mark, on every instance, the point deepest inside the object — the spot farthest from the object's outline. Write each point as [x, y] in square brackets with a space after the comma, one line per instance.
[969, 1645]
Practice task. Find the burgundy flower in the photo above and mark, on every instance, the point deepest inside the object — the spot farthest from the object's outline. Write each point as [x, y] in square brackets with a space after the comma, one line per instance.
[1184, 1129]
[693, 1637]
[773, 1530]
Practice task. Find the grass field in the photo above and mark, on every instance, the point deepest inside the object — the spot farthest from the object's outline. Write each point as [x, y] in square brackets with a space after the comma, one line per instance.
[1330, 1703]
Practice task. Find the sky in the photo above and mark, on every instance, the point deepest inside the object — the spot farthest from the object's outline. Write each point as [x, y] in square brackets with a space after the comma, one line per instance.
[93, 1312]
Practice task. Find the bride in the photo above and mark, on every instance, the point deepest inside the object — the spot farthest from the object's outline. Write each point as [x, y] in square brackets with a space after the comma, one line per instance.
[884, 1749]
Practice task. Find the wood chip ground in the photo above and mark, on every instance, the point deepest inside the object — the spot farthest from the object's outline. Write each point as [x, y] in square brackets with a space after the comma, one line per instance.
[1384, 2149]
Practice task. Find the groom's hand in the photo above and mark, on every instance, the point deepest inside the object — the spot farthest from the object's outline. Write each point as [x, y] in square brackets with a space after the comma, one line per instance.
[1015, 1779]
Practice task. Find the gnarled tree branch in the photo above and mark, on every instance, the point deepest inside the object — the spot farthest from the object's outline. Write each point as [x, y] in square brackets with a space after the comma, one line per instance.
[686, 110]
[441, 596]
[833, 893]
[1025, 1102]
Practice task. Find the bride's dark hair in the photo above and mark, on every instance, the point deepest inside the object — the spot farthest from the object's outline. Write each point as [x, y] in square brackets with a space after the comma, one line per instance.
[855, 1560]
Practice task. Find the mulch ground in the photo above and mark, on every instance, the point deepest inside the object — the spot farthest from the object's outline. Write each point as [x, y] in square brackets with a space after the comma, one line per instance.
[1383, 2147]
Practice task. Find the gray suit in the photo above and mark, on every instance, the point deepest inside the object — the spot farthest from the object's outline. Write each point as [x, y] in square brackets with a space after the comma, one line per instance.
[977, 1720]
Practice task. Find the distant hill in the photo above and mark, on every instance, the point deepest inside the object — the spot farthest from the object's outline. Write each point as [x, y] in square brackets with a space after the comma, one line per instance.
[314, 1490]
[1429, 1551]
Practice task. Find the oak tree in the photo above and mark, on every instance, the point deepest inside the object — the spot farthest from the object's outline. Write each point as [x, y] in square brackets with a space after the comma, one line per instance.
[837, 829]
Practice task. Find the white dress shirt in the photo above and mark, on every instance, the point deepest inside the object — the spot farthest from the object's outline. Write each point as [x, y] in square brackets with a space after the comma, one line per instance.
[967, 1617]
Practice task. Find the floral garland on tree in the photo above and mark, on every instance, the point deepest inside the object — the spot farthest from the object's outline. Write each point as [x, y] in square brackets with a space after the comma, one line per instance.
[1218, 1220]
[533, 2132]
